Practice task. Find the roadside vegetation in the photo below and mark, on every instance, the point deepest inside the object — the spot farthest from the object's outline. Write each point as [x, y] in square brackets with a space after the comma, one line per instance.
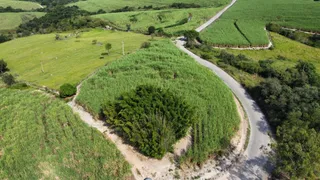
[40, 138]
[164, 66]
[54, 59]
[255, 14]
[288, 92]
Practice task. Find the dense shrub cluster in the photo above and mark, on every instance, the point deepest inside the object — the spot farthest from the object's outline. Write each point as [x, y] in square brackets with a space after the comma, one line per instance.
[10, 9]
[67, 90]
[184, 5]
[60, 19]
[308, 39]
[150, 118]
[51, 3]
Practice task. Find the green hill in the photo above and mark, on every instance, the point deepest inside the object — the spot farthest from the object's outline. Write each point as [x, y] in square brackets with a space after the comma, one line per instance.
[10, 21]
[20, 4]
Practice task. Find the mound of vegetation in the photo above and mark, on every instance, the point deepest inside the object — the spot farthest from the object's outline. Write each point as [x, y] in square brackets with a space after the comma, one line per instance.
[150, 118]
[40, 138]
[164, 66]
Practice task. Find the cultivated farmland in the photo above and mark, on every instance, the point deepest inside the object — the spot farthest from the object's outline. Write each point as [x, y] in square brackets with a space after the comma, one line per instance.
[164, 66]
[19, 4]
[95, 5]
[172, 21]
[40, 138]
[253, 15]
[10, 21]
[68, 60]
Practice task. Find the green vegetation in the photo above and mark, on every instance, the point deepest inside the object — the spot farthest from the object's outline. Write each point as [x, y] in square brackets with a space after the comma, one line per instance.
[286, 52]
[253, 15]
[42, 139]
[150, 118]
[95, 5]
[10, 21]
[64, 61]
[67, 90]
[172, 21]
[289, 95]
[164, 66]
[19, 4]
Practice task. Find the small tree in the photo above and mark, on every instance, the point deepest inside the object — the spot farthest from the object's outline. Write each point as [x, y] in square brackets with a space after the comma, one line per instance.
[67, 90]
[108, 46]
[151, 29]
[8, 79]
[191, 35]
[145, 45]
[94, 42]
[3, 66]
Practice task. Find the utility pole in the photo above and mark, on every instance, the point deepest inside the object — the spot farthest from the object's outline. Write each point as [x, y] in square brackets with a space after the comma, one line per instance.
[42, 67]
[122, 48]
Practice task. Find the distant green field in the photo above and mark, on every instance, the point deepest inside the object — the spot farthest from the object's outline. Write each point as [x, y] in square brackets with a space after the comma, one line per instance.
[19, 4]
[10, 21]
[253, 15]
[165, 66]
[169, 20]
[108, 5]
[41, 138]
[291, 50]
[64, 61]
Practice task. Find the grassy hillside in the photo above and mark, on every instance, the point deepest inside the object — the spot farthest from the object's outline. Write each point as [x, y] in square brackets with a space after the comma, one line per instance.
[291, 50]
[19, 4]
[12, 20]
[172, 21]
[64, 61]
[94, 5]
[163, 65]
[40, 138]
[255, 14]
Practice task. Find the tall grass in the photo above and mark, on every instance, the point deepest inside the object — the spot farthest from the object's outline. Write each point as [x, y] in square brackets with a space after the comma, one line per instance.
[253, 15]
[40, 138]
[165, 66]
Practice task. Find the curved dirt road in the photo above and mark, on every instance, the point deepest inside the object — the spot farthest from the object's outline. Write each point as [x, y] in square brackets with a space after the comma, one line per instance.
[253, 167]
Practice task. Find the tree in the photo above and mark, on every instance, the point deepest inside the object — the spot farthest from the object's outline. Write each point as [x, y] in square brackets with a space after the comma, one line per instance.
[108, 46]
[8, 79]
[3, 66]
[67, 90]
[191, 35]
[151, 30]
[298, 151]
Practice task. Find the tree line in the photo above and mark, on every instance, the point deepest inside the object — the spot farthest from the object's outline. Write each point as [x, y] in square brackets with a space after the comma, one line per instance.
[290, 99]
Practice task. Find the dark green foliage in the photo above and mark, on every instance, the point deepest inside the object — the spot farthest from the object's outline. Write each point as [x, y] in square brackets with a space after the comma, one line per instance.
[10, 9]
[8, 79]
[145, 45]
[4, 38]
[191, 35]
[51, 3]
[151, 30]
[60, 19]
[150, 118]
[124, 9]
[67, 90]
[184, 5]
[108, 46]
[3, 66]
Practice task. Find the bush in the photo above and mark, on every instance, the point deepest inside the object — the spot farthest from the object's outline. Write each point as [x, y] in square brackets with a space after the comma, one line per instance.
[145, 45]
[67, 90]
[150, 118]
[151, 30]
[205, 56]
[3, 66]
[8, 79]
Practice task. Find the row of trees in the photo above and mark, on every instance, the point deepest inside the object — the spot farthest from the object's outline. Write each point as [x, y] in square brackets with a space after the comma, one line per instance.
[290, 99]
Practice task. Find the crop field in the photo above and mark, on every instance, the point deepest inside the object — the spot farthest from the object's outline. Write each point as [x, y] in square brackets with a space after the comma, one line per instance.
[65, 61]
[291, 50]
[19, 4]
[95, 5]
[163, 65]
[41, 138]
[255, 14]
[10, 21]
[172, 21]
